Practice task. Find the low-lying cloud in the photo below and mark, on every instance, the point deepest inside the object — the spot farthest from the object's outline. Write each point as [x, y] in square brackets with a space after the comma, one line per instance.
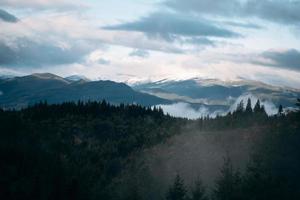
[186, 110]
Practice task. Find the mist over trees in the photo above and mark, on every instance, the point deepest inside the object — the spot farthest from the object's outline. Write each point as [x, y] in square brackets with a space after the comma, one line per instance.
[88, 151]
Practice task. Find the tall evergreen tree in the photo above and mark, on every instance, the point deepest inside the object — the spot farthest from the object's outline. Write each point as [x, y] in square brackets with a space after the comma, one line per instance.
[257, 106]
[228, 186]
[280, 110]
[240, 107]
[177, 191]
[199, 191]
[298, 102]
[249, 106]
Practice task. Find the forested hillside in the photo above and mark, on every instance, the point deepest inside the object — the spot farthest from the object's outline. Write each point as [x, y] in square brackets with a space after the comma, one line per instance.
[95, 150]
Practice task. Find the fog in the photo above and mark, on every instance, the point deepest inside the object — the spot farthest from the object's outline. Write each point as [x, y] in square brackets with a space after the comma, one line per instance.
[182, 109]
[193, 154]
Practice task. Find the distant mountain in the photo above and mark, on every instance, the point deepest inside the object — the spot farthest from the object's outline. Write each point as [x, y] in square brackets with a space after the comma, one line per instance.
[22, 91]
[5, 76]
[77, 78]
[216, 95]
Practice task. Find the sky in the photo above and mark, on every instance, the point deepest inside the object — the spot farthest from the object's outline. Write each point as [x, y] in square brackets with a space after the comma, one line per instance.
[148, 40]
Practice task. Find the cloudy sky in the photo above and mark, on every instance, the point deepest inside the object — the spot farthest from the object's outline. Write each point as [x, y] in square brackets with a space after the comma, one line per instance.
[140, 40]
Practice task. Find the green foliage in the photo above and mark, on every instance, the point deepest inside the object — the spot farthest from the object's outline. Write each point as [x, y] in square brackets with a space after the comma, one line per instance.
[74, 150]
[78, 151]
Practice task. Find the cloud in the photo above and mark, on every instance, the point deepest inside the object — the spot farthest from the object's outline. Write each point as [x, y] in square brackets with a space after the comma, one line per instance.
[243, 25]
[289, 59]
[278, 11]
[139, 53]
[58, 5]
[7, 17]
[24, 52]
[199, 41]
[43, 40]
[270, 107]
[170, 25]
[185, 110]
[103, 61]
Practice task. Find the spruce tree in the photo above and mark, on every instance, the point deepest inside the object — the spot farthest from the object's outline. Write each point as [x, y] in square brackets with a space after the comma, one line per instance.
[199, 191]
[240, 107]
[177, 191]
[249, 106]
[280, 110]
[257, 107]
[228, 186]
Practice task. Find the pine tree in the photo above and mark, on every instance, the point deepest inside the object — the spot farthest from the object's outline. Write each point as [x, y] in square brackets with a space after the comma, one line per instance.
[177, 191]
[263, 110]
[298, 102]
[257, 107]
[228, 186]
[249, 106]
[280, 110]
[199, 191]
[240, 107]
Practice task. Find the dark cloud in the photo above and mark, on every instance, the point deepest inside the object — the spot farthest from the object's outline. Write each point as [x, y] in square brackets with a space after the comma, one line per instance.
[289, 59]
[169, 26]
[278, 11]
[287, 12]
[7, 17]
[139, 53]
[28, 53]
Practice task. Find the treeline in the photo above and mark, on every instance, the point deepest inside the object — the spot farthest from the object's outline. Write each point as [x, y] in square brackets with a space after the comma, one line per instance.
[78, 151]
[272, 173]
[74, 150]
[243, 116]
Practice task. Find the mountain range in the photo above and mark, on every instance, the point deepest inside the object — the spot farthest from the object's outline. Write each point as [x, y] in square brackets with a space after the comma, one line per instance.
[19, 92]
[196, 95]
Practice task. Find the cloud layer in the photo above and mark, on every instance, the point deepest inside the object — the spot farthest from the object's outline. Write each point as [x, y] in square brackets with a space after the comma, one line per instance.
[7, 17]
[169, 26]
[278, 11]
[29, 53]
[289, 59]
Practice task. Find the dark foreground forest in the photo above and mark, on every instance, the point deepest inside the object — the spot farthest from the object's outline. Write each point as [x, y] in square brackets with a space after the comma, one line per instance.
[95, 150]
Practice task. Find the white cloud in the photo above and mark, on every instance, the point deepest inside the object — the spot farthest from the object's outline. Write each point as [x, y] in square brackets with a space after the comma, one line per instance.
[44, 4]
[270, 107]
[187, 111]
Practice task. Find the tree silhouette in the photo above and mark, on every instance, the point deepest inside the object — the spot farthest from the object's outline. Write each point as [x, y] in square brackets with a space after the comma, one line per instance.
[249, 106]
[199, 191]
[257, 107]
[228, 185]
[177, 191]
[280, 110]
[240, 107]
[298, 102]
